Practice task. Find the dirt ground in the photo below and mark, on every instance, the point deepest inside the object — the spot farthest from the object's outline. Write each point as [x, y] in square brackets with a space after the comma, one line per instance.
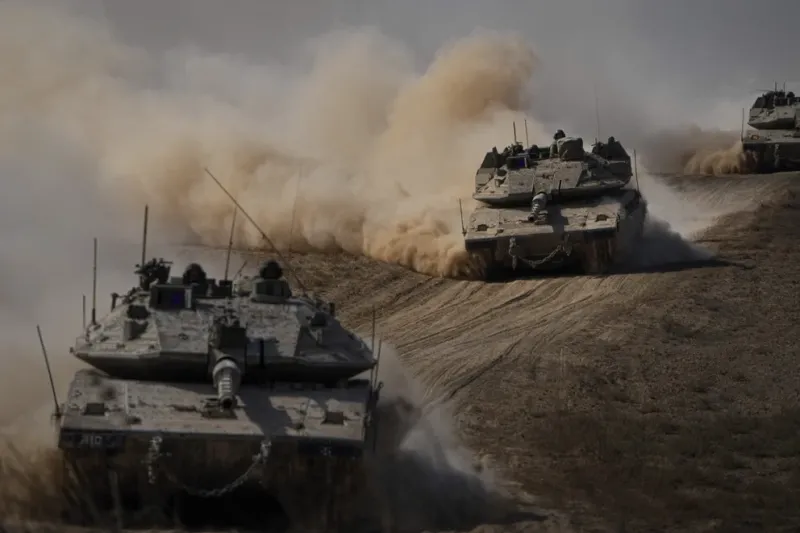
[639, 402]
[649, 401]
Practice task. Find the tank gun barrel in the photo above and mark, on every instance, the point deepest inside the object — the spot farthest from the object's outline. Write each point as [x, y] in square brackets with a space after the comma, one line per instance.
[227, 378]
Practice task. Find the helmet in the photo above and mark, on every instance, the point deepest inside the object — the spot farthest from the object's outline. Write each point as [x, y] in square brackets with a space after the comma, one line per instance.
[270, 270]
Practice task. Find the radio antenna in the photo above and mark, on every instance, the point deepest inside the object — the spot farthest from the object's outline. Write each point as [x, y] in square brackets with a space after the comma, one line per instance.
[144, 236]
[461, 215]
[294, 208]
[230, 244]
[261, 231]
[49, 372]
[238, 272]
[527, 141]
[94, 285]
[596, 112]
[515, 131]
[742, 132]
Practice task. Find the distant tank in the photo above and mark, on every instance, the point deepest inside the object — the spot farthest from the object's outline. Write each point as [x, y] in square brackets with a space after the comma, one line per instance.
[773, 139]
[555, 208]
[198, 388]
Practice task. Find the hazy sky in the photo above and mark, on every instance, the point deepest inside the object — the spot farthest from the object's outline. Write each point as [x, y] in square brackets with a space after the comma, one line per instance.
[676, 59]
[652, 63]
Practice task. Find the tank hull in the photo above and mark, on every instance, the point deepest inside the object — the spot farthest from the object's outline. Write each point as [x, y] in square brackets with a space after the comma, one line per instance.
[773, 151]
[316, 486]
[554, 247]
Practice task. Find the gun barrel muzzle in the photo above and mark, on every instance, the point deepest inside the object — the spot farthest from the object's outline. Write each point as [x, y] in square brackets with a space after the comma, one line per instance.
[227, 378]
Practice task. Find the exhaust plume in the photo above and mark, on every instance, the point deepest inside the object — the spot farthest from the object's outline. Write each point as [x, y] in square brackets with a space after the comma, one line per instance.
[362, 156]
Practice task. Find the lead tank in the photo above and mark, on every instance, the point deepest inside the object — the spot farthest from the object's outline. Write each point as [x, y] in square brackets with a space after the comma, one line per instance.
[555, 208]
[773, 139]
[197, 388]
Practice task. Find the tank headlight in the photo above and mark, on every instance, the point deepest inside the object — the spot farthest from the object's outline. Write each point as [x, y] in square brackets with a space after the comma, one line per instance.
[754, 137]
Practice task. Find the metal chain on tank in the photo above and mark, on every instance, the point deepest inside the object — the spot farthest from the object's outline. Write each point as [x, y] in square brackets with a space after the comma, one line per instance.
[154, 453]
[563, 247]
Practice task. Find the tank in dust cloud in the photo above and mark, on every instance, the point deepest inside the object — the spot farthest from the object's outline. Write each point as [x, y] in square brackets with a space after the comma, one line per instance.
[199, 387]
[773, 139]
[555, 208]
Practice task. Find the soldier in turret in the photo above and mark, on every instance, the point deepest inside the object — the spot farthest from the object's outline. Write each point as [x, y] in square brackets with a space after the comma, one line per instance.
[194, 274]
[154, 271]
[554, 147]
[271, 270]
[271, 280]
[614, 150]
[496, 157]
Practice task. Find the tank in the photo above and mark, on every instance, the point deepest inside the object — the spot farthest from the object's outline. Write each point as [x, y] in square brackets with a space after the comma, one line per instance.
[198, 388]
[557, 208]
[772, 140]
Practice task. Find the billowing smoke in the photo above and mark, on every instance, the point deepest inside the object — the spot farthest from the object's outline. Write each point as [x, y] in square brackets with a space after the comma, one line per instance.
[693, 150]
[358, 154]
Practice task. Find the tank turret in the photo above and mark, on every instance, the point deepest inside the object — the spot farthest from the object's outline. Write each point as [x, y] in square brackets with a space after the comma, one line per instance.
[772, 141]
[543, 208]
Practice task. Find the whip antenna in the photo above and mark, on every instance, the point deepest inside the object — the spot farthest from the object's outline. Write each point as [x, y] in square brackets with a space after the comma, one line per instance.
[94, 285]
[49, 372]
[230, 245]
[294, 208]
[596, 112]
[261, 231]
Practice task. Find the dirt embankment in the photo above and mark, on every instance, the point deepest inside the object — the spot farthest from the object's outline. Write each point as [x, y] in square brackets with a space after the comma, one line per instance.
[665, 399]
[654, 401]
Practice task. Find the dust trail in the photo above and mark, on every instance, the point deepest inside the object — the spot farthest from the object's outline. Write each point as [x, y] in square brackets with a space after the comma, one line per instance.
[693, 150]
[676, 218]
[383, 153]
[426, 477]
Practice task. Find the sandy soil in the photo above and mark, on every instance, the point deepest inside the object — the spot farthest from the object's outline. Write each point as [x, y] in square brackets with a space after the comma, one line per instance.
[645, 401]
[651, 401]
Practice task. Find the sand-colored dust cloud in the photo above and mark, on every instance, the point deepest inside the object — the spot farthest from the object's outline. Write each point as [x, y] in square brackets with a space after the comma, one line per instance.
[359, 153]
[693, 150]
